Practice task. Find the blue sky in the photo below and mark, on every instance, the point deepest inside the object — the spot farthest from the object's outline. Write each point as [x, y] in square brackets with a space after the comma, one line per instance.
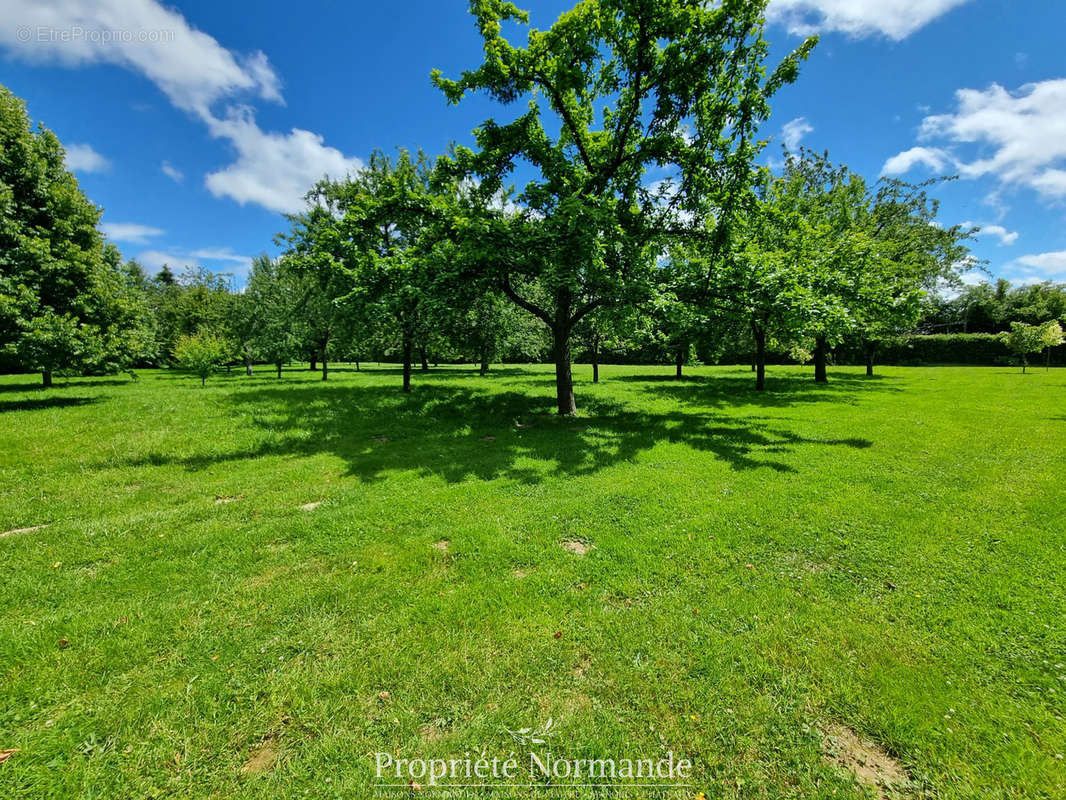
[196, 124]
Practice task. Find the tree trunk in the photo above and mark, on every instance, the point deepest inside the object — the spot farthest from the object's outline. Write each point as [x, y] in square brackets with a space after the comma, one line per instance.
[1047, 366]
[425, 361]
[357, 369]
[595, 359]
[871, 348]
[760, 358]
[325, 365]
[680, 363]
[278, 365]
[314, 363]
[248, 366]
[46, 379]
[407, 350]
[1025, 363]
[564, 379]
[203, 381]
[484, 362]
[820, 356]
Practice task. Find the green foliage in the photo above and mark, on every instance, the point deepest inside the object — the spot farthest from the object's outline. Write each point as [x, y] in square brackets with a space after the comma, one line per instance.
[270, 305]
[1051, 334]
[973, 349]
[182, 306]
[202, 353]
[376, 251]
[64, 300]
[613, 88]
[49, 342]
[1024, 339]
[987, 308]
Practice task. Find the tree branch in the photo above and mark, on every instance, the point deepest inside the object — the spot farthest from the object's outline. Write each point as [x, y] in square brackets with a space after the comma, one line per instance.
[557, 99]
[585, 310]
[521, 302]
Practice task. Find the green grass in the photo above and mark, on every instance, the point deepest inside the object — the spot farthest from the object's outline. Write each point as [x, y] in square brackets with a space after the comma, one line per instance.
[905, 537]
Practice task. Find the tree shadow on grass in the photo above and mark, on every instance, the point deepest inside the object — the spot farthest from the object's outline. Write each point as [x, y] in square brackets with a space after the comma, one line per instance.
[61, 384]
[41, 403]
[781, 390]
[464, 433]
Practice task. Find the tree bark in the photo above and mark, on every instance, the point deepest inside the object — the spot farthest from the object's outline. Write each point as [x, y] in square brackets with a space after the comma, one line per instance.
[407, 351]
[357, 369]
[870, 350]
[564, 379]
[46, 378]
[820, 356]
[595, 359]
[484, 362]
[248, 366]
[278, 365]
[314, 363]
[760, 358]
[425, 360]
[680, 363]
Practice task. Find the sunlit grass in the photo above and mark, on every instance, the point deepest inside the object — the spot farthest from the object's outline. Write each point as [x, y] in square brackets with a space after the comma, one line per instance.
[886, 554]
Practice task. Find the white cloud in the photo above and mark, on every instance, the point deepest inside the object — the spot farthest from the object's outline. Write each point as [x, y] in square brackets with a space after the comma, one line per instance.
[1045, 263]
[155, 260]
[936, 160]
[273, 170]
[196, 73]
[1005, 237]
[129, 232]
[793, 132]
[172, 172]
[1017, 137]
[222, 254]
[191, 67]
[895, 19]
[179, 260]
[82, 158]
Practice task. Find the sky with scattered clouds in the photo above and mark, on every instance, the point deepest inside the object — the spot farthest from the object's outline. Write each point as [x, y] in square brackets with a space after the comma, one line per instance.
[197, 125]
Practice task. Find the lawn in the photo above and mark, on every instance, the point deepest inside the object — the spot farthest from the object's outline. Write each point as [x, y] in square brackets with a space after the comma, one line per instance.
[249, 590]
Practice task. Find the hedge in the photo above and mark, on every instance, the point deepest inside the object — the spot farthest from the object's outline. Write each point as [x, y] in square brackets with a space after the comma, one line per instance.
[970, 349]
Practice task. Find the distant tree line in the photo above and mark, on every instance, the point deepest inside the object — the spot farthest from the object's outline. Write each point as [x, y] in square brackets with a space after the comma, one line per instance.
[991, 308]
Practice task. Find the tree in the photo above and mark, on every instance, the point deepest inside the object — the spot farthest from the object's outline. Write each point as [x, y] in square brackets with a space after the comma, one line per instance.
[317, 262]
[772, 267]
[1051, 335]
[385, 233]
[628, 85]
[910, 256]
[1024, 339]
[271, 299]
[202, 353]
[57, 301]
[197, 300]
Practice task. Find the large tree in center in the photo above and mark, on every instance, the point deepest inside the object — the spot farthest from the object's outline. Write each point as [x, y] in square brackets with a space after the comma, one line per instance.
[613, 88]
